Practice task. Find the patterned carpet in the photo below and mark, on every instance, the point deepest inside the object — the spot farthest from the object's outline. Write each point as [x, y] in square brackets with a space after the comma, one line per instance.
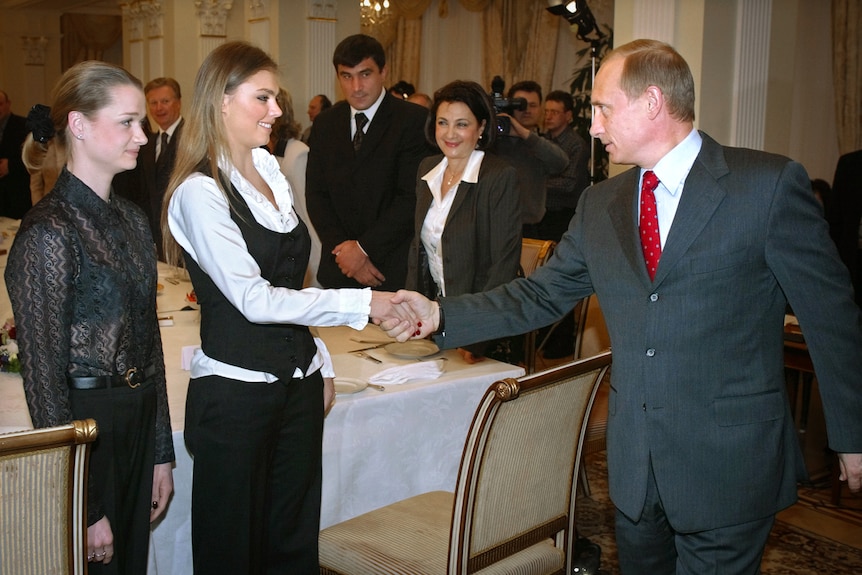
[790, 550]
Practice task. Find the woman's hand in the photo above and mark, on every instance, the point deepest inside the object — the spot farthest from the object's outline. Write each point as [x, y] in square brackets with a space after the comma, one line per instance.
[328, 395]
[100, 542]
[163, 486]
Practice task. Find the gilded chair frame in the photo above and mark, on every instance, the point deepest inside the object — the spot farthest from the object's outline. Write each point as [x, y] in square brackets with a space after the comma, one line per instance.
[463, 556]
[534, 254]
[43, 495]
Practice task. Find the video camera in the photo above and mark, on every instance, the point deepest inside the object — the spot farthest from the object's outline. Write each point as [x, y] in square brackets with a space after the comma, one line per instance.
[504, 105]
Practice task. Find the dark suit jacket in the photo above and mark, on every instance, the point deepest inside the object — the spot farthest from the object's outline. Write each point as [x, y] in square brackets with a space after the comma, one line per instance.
[697, 388]
[369, 196]
[14, 187]
[147, 183]
[482, 238]
[845, 212]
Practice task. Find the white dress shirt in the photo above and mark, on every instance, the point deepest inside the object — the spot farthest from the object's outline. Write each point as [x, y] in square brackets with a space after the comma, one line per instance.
[369, 113]
[199, 219]
[438, 212]
[170, 132]
[671, 171]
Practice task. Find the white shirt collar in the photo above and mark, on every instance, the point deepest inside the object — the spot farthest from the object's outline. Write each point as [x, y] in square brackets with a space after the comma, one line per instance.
[284, 217]
[370, 111]
[674, 167]
[171, 129]
[471, 172]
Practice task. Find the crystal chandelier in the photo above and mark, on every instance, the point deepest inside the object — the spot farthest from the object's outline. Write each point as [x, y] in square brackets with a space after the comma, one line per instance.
[373, 13]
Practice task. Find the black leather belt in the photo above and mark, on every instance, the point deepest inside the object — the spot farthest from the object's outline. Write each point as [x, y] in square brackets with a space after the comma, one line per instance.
[133, 378]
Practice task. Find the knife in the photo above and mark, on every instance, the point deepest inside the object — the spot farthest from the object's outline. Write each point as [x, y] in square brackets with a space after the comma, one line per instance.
[364, 355]
[370, 347]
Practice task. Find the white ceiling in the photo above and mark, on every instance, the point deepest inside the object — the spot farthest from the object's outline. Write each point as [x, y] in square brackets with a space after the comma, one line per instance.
[68, 6]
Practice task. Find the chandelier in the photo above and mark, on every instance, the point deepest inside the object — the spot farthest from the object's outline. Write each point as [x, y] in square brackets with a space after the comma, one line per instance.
[373, 13]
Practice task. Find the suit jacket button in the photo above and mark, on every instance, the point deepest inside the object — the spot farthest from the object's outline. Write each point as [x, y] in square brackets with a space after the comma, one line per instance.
[653, 297]
[650, 352]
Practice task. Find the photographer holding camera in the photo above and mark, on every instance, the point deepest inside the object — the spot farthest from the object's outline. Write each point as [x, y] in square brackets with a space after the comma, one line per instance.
[533, 157]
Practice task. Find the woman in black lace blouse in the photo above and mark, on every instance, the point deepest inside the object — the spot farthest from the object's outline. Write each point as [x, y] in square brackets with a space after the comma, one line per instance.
[82, 279]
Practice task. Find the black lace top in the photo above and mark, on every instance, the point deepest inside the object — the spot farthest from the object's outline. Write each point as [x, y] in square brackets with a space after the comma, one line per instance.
[82, 278]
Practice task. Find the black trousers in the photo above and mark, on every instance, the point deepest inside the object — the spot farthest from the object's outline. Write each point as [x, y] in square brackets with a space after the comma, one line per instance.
[121, 469]
[257, 475]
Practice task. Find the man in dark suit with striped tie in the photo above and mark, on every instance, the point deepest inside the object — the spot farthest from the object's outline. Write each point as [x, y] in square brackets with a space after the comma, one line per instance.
[147, 183]
[361, 182]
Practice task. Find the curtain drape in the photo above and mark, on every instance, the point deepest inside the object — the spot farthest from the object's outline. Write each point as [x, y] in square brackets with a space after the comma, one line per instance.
[847, 72]
[525, 30]
[87, 36]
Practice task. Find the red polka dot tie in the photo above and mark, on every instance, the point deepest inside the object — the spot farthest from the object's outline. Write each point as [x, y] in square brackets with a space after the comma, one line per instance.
[650, 238]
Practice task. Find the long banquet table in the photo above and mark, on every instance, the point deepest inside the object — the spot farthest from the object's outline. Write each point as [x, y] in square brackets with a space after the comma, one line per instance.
[378, 446]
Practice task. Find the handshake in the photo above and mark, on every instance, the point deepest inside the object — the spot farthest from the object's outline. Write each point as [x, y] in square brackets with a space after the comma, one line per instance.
[405, 314]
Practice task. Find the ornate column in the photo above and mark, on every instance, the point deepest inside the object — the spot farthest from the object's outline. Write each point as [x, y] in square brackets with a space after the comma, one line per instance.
[212, 20]
[34, 49]
[655, 19]
[322, 20]
[134, 26]
[154, 20]
[754, 22]
[258, 14]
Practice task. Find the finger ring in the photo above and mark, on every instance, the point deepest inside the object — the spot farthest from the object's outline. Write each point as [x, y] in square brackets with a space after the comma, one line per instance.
[155, 504]
[90, 557]
[99, 555]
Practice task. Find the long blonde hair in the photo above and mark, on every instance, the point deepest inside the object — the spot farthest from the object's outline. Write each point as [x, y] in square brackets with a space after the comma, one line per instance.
[204, 140]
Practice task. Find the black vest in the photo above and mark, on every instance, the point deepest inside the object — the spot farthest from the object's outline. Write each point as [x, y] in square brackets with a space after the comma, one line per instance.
[226, 335]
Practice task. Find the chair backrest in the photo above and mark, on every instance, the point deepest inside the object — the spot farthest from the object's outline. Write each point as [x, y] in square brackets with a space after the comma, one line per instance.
[535, 253]
[516, 484]
[43, 499]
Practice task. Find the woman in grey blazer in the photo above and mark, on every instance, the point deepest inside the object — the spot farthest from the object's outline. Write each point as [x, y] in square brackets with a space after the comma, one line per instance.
[467, 226]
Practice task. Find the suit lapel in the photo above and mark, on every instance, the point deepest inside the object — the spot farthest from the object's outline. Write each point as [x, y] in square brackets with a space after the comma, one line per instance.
[464, 190]
[700, 197]
[623, 217]
[423, 202]
[377, 128]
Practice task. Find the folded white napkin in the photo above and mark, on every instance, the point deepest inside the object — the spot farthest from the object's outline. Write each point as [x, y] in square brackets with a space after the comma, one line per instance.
[411, 371]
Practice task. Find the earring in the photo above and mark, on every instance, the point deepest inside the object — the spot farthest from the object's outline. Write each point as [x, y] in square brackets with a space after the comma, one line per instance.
[80, 136]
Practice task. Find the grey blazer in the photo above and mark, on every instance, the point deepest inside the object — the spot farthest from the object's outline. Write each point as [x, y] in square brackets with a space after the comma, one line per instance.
[697, 388]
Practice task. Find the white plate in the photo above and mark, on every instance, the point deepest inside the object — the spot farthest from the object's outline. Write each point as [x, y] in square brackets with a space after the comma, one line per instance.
[349, 385]
[413, 349]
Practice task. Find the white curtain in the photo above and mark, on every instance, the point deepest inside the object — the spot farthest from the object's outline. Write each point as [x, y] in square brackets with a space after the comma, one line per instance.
[451, 48]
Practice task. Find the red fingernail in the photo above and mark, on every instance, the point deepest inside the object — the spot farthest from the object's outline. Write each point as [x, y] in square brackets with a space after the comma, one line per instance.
[417, 332]
[419, 323]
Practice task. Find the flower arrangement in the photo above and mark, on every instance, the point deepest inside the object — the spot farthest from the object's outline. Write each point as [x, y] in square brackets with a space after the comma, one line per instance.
[9, 348]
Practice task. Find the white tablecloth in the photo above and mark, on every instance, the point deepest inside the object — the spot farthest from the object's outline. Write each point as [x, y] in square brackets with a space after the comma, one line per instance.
[378, 447]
